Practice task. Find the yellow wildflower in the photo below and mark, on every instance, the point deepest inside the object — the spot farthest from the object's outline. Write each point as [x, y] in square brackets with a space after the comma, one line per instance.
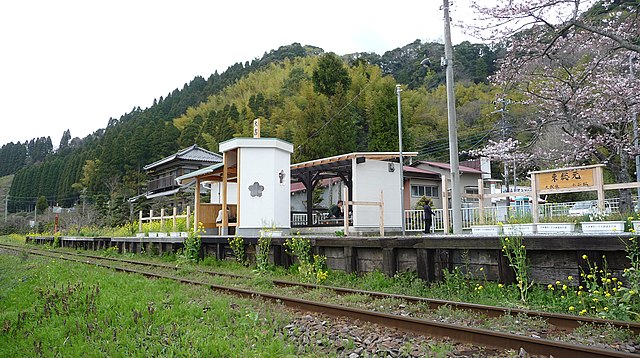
[584, 257]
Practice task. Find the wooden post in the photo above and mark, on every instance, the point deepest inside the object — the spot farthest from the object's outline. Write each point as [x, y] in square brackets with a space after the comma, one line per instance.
[140, 222]
[481, 201]
[445, 205]
[225, 174]
[534, 200]
[345, 207]
[379, 204]
[599, 181]
[188, 217]
[196, 216]
[175, 219]
[162, 219]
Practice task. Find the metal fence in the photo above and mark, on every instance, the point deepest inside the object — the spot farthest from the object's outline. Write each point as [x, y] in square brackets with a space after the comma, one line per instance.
[414, 219]
[300, 219]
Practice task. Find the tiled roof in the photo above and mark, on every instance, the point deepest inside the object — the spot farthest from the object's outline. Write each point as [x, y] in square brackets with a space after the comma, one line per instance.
[193, 153]
[410, 169]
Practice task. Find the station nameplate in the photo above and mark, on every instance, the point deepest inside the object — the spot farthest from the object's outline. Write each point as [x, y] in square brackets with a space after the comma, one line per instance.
[571, 178]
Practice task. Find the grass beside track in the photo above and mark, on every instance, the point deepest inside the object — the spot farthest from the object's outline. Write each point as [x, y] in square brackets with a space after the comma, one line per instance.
[54, 308]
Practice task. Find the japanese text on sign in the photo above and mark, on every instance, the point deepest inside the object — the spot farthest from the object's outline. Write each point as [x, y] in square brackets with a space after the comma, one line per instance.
[571, 178]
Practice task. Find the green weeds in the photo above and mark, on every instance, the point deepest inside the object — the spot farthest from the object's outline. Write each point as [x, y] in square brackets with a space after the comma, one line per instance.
[516, 253]
[310, 269]
[262, 251]
[50, 308]
[190, 252]
[237, 245]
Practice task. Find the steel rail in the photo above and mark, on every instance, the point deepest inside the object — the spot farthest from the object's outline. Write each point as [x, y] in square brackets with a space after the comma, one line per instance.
[419, 326]
[560, 320]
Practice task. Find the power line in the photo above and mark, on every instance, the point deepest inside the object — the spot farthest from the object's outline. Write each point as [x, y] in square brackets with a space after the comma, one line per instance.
[334, 116]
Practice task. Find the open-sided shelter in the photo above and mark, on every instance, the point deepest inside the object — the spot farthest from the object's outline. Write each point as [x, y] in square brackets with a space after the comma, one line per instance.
[366, 175]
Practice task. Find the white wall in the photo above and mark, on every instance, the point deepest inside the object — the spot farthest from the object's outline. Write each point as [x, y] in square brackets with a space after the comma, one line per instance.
[216, 193]
[263, 165]
[368, 179]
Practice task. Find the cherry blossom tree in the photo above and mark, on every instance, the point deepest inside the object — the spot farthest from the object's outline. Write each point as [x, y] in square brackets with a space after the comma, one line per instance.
[573, 62]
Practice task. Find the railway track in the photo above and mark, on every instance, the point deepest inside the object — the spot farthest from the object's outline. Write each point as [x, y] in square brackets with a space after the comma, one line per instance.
[561, 321]
[472, 335]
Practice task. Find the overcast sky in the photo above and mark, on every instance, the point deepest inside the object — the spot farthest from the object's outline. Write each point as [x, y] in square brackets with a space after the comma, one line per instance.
[74, 64]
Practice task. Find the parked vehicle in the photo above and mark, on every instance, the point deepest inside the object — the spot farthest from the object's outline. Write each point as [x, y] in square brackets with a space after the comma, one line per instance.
[589, 207]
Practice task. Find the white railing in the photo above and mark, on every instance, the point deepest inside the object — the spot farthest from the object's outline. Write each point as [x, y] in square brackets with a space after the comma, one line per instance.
[300, 219]
[165, 218]
[414, 219]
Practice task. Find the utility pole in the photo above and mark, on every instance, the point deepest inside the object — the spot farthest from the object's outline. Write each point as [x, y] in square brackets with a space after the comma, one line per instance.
[6, 206]
[505, 169]
[398, 90]
[634, 116]
[447, 61]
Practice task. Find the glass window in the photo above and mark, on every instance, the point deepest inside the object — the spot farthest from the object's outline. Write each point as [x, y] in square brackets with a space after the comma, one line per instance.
[418, 191]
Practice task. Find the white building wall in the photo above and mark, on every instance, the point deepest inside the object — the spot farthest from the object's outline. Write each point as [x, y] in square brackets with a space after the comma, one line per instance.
[262, 165]
[369, 178]
[216, 193]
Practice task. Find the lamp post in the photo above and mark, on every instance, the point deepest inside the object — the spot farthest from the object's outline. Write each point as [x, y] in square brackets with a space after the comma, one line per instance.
[398, 90]
[447, 61]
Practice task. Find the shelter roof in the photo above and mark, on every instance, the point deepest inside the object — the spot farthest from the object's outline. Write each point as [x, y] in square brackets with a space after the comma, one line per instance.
[192, 153]
[343, 162]
[210, 172]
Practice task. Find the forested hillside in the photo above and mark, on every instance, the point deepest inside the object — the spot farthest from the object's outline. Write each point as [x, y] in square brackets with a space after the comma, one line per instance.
[322, 103]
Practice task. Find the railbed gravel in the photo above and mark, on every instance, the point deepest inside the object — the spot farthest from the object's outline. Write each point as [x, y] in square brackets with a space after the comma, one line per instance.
[341, 337]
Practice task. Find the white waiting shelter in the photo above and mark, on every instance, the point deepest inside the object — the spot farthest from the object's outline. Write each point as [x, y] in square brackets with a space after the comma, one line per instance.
[252, 184]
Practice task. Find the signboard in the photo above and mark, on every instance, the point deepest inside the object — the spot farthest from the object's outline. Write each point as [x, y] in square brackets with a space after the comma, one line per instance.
[256, 128]
[569, 178]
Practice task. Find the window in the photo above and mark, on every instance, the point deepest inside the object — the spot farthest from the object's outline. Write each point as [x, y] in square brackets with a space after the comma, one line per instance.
[424, 190]
[471, 190]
